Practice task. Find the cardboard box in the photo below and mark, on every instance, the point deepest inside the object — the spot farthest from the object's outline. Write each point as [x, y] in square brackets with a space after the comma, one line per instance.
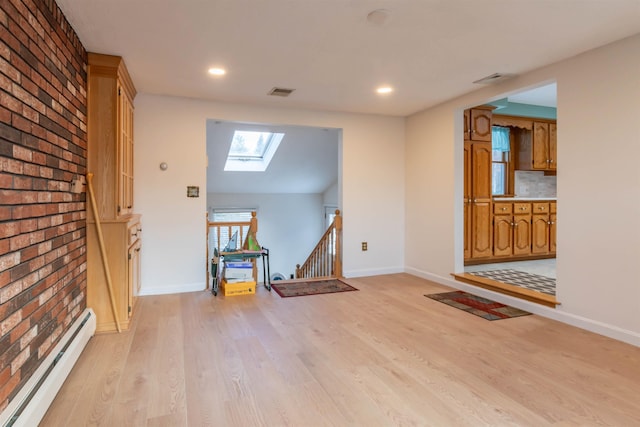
[240, 288]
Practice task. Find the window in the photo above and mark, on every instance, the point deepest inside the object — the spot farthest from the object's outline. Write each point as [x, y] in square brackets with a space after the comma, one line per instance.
[501, 158]
[252, 151]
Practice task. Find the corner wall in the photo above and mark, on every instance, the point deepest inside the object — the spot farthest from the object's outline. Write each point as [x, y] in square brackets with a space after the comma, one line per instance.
[598, 185]
[42, 224]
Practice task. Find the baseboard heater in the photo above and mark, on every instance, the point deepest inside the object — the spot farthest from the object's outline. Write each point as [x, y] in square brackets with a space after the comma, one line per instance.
[32, 402]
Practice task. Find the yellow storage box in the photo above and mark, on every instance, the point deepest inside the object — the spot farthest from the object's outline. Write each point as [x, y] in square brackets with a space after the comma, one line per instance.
[239, 288]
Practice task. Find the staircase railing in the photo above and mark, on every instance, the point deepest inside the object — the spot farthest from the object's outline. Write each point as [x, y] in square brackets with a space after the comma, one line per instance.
[326, 258]
[216, 229]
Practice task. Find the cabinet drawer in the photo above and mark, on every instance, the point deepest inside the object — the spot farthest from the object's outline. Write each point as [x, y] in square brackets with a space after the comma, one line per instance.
[135, 231]
[521, 208]
[502, 208]
[539, 207]
[553, 207]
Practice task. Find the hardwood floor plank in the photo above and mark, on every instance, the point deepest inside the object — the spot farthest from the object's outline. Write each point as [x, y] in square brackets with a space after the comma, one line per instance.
[383, 355]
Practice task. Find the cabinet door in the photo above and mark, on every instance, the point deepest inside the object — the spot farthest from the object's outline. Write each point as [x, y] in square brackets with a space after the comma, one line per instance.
[125, 153]
[502, 235]
[467, 200]
[522, 234]
[482, 231]
[540, 234]
[540, 145]
[481, 171]
[480, 125]
[553, 152]
[467, 119]
[552, 233]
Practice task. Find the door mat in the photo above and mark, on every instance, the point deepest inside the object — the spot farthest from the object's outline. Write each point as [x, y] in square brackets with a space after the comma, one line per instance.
[298, 289]
[535, 282]
[479, 306]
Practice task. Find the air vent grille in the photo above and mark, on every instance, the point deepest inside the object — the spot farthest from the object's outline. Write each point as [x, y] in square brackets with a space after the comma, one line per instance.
[279, 91]
[494, 78]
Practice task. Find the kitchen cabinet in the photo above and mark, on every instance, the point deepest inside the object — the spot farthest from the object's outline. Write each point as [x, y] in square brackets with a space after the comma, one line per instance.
[537, 150]
[540, 228]
[110, 142]
[511, 229]
[521, 228]
[502, 229]
[552, 227]
[478, 230]
[477, 124]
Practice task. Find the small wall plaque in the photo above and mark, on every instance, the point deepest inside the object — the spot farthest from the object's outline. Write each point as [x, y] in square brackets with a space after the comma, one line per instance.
[193, 191]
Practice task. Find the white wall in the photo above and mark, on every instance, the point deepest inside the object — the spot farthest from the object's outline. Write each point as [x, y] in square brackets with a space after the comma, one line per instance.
[598, 188]
[173, 130]
[289, 225]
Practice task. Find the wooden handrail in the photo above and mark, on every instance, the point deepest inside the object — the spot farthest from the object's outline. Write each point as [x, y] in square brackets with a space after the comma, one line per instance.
[326, 258]
[231, 226]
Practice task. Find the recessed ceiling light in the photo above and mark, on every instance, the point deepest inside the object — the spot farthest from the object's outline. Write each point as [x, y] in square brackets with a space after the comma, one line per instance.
[217, 71]
[384, 90]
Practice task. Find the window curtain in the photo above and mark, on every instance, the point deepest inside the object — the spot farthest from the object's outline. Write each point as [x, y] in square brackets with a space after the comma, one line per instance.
[500, 139]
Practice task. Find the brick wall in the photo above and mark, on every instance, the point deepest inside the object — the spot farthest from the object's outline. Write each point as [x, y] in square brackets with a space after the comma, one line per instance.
[43, 146]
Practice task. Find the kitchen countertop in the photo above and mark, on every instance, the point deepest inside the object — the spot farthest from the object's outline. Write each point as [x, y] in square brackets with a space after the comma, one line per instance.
[520, 198]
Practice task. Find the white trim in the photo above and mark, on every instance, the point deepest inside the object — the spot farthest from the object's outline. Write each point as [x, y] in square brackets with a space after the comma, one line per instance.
[44, 395]
[611, 331]
[175, 289]
[372, 272]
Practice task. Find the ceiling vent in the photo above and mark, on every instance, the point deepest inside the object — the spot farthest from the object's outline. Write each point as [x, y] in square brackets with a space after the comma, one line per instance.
[279, 91]
[494, 78]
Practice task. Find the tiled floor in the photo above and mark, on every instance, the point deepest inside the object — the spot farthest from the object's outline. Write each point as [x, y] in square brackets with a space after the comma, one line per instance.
[543, 267]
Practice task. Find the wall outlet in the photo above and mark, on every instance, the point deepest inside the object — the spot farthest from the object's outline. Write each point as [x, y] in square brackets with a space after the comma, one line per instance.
[364, 246]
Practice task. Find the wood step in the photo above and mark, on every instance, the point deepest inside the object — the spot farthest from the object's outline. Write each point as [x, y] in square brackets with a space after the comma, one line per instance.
[507, 289]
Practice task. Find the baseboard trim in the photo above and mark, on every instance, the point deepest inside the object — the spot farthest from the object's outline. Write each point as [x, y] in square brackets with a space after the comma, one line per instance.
[607, 330]
[173, 289]
[40, 390]
[372, 272]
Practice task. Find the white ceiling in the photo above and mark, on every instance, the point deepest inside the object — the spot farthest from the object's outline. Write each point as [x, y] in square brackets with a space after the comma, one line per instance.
[334, 58]
[306, 160]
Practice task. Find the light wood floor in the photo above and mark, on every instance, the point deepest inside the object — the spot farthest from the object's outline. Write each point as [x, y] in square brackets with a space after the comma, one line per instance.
[382, 356]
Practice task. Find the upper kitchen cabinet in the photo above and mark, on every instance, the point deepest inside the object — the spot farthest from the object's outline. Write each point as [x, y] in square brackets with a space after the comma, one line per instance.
[477, 124]
[537, 149]
[110, 135]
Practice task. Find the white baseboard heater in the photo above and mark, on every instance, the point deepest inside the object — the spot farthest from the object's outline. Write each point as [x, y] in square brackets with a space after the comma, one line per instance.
[33, 400]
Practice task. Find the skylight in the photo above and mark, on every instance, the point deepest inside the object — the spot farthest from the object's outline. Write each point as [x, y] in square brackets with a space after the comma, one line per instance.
[252, 151]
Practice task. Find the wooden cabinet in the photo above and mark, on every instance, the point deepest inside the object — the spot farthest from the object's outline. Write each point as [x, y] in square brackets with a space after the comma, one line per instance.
[110, 142]
[110, 135]
[552, 227]
[521, 229]
[478, 231]
[512, 229]
[537, 150]
[540, 228]
[477, 126]
[122, 241]
[480, 201]
[502, 229]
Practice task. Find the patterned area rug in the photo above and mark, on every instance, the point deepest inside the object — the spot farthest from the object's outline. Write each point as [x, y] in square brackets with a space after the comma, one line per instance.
[479, 306]
[535, 282]
[299, 289]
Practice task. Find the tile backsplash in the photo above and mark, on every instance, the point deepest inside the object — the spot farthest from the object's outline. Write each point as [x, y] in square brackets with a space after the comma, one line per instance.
[534, 184]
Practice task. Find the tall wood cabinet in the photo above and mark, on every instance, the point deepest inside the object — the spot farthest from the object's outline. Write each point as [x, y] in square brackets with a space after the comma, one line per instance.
[477, 170]
[110, 159]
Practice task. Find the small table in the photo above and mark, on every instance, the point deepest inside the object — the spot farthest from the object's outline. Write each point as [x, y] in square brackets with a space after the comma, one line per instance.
[241, 256]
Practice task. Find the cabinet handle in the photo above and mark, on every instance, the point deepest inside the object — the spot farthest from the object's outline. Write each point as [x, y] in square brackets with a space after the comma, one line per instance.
[504, 209]
[541, 208]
